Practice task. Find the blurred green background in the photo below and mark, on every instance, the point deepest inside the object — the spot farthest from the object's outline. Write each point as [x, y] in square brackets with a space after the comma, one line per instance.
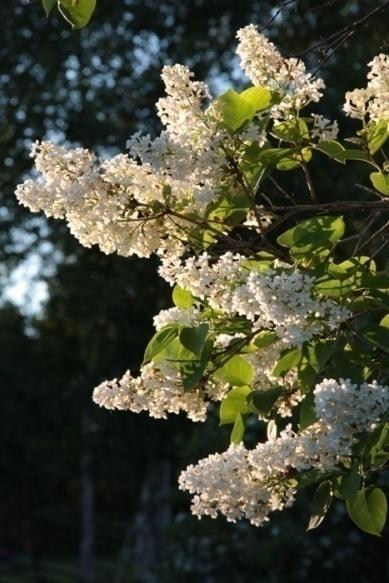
[86, 494]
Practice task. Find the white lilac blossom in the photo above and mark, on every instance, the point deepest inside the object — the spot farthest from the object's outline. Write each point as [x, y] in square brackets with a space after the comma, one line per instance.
[285, 302]
[202, 277]
[281, 301]
[226, 483]
[323, 128]
[135, 204]
[346, 407]
[260, 214]
[118, 204]
[159, 391]
[100, 203]
[192, 153]
[187, 317]
[373, 101]
[265, 66]
[241, 483]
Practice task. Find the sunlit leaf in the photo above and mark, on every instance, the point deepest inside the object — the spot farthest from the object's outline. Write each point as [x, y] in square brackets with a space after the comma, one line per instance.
[77, 12]
[368, 509]
[237, 432]
[237, 371]
[48, 5]
[377, 134]
[235, 109]
[233, 404]
[380, 181]
[159, 341]
[182, 298]
[321, 503]
[259, 97]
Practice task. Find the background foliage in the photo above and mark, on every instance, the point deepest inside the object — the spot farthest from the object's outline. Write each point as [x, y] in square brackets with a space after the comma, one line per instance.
[77, 477]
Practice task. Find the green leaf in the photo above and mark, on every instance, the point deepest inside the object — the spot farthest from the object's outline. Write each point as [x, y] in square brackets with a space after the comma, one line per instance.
[287, 164]
[192, 367]
[271, 156]
[342, 367]
[308, 477]
[236, 371]
[48, 5]
[237, 432]
[377, 335]
[375, 446]
[159, 341]
[265, 338]
[385, 321]
[333, 288]
[307, 375]
[344, 278]
[229, 209]
[313, 234]
[224, 212]
[338, 152]
[259, 97]
[368, 510]
[263, 401]
[182, 298]
[319, 352]
[358, 155]
[193, 339]
[341, 271]
[321, 503]
[288, 360]
[235, 109]
[294, 161]
[380, 181]
[348, 485]
[363, 303]
[308, 411]
[377, 134]
[77, 12]
[292, 131]
[233, 404]
[315, 356]
[379, 280]
[262, 340]
[191, 370]
[333, 149]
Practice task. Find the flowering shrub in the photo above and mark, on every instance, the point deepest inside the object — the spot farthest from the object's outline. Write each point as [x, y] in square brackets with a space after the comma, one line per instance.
[278, 315]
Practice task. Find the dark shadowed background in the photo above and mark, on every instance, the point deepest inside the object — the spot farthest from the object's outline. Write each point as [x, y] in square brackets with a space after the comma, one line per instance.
[86, 494]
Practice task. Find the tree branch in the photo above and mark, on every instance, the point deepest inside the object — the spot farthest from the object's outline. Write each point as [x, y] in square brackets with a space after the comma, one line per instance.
[338, 38]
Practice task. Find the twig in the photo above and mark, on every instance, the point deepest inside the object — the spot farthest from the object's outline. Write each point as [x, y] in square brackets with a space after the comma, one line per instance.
[370, 190]
[309, 182]
[281, 189]
[333, 206]
[365, 230]
[323, 5]
[336, 36]
[276, 14]
[386, 242]
[374, 235]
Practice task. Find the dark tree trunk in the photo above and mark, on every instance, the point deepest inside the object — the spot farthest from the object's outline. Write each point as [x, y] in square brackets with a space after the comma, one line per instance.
[87, 507]
[151, 522]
